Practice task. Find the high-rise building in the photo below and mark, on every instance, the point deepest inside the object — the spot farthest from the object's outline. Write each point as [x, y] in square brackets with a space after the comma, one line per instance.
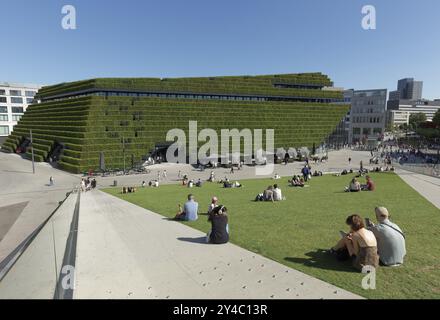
[408, 89]
[14, 99]
[407, 100]
[367, 116]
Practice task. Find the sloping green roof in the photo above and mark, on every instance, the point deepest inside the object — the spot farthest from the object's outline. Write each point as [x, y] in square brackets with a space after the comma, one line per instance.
[246, 85]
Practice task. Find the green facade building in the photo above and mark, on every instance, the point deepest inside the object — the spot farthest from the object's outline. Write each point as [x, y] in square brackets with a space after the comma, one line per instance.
[128, 117]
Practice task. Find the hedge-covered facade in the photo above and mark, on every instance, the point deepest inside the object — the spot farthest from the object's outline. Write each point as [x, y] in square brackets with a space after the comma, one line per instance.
[93, 116]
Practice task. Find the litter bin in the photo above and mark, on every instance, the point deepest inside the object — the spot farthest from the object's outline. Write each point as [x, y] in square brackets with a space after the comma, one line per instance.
[115, 183]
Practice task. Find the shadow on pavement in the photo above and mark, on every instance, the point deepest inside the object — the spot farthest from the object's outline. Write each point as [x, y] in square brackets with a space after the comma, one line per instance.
[201, 240]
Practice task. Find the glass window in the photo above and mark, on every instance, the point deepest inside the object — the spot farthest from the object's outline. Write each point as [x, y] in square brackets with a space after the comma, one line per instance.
[3, 109]
[16, 117]
[377, 130]
[356, 130]
[15, 92]
[16, 100]
[2, 92]
[3, 117]
[17, 110]
[4, 130]
[29, 100]
[3, 99]
[30, 93]
[366, 131]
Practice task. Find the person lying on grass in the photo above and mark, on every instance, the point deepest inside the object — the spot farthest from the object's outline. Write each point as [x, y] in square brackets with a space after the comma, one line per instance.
[219, 232]
[359, 245]
[189, 210]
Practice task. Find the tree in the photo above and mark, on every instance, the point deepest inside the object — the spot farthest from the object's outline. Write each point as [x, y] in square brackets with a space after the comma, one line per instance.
[416, 119]
[436, 119]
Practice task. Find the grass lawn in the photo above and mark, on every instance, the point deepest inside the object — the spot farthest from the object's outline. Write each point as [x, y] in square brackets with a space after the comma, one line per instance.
[294, 232]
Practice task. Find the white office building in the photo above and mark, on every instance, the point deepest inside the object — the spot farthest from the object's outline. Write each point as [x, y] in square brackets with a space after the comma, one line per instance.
[399, 111]
[14, 99]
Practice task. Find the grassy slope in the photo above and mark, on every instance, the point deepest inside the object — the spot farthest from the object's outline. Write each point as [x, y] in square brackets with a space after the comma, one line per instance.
[294, 232]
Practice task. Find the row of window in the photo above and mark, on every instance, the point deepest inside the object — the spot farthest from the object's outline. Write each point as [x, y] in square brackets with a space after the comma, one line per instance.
[4, 109]
[367, 131]
[15, 117]
[366, 119]
[368, 102]
[18, 93]
[17, 100]
[194, 96]
[369, 110]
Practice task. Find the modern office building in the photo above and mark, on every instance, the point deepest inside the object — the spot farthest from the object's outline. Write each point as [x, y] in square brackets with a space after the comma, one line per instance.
[408, 100]
[14, 100]
[399, 111]
[409, 89]
[367, 116]
[126, 120]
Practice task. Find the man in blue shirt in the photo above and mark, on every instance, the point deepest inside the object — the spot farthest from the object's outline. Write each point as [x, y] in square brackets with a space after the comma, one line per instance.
[305, 171]
[190, 210]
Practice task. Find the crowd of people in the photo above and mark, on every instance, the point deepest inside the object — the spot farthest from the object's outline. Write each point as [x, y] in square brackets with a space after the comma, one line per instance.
[365, 244]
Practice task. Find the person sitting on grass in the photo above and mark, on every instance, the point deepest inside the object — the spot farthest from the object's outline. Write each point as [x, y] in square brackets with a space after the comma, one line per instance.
[390, 238]
[199, 183]
[227, 183]
[189, 211]
[277, 194]
[214, 203]
[354, 186]
[317, 174]
[268, 194]
[297, 181]
[124, 190]
[276, 176]
[359, 245]
[219, 233]
[131, 189]
[154, 183]
[369, 186]
[190, 183]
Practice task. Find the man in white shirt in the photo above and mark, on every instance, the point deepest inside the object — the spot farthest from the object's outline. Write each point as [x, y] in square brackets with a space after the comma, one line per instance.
[277, 195]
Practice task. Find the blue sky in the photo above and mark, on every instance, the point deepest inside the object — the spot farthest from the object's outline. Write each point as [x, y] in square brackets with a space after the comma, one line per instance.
[167, 38]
